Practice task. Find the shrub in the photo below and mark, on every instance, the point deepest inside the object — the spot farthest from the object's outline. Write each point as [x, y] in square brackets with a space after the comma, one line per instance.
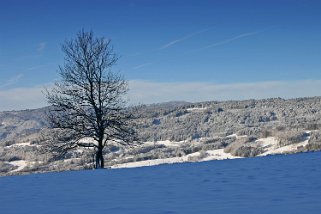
[202, 155]
[213, 146]
[313, 147]
[9, 143]
[250, 131]
[266, 133]
[244, 147]
[4, 167]
[233, 147]
[313, 126]
[247, 151]
[14, 158]
[315, 137]
[290, 137]
[246, 139]
[314, 142]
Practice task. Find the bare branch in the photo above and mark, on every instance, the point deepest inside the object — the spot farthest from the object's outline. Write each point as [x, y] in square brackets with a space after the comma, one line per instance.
[88, 101]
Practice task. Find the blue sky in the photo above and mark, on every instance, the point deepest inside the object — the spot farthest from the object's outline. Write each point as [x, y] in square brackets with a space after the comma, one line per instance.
[169, 49]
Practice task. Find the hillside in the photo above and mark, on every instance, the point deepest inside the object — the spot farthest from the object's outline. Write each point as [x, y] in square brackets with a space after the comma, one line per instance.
[174, 132]
[276, 184]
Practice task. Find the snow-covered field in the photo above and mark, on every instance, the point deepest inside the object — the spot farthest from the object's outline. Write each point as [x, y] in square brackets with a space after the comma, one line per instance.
[20, 164]
[274, 184]
[218, 154]
[19, 145]
[270, 145]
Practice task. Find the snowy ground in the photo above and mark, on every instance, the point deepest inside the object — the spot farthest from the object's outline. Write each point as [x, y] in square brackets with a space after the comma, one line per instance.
[167, 143]
[270, 144]
[218, 154]
[19, 145]
[274, 184]
[196, 109]
[20, 164]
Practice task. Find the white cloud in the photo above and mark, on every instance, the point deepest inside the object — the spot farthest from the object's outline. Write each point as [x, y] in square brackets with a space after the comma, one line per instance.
[154, 92]
[22, 98]
[147, 92]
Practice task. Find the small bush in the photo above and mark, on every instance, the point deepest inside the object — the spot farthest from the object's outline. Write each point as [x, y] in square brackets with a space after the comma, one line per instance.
[14, 158]
[233, 147]
[214, 146]
[199, 157]
[266, 133]
[4, 167]
[280, 128]
[246, 139]
[291, 137]
[248, 151]
[253, 131]
[244, 147]
[314, 142]
[313, 147]
[313, 126]
[9, 143]
[315, 137]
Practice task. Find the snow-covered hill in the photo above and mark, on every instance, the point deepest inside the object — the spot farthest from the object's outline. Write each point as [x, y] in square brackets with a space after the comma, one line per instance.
[174, 132]
[275, 184]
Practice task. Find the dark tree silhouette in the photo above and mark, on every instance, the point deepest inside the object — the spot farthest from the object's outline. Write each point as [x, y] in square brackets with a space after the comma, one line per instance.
[88, 102]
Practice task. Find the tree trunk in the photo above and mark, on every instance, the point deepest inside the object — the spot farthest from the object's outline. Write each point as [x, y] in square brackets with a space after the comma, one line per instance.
[99, 158]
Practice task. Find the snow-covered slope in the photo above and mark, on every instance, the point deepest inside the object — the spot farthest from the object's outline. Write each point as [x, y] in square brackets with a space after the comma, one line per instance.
[269, 145]
[275, 184]
[173, 132]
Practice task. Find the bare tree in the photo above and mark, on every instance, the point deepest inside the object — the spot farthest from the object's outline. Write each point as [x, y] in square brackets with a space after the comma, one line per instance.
[88, 102]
